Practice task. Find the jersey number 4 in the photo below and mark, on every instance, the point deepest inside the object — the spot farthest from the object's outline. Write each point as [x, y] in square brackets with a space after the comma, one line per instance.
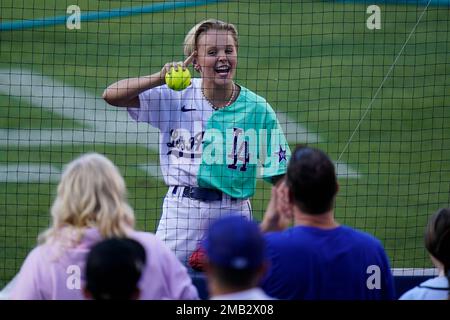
[240, 153]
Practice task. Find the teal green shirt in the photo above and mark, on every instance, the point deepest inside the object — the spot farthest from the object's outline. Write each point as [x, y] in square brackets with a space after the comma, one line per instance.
[239, 140]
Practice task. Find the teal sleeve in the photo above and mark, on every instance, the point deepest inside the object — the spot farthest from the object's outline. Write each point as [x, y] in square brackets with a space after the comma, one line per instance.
[277, 153]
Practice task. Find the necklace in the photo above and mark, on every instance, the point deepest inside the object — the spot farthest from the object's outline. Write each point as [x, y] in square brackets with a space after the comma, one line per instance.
[229, 102]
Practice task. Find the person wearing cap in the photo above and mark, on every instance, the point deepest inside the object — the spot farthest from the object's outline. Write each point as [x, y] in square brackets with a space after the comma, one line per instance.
[317, 258]
[235, 259]
[113, 269]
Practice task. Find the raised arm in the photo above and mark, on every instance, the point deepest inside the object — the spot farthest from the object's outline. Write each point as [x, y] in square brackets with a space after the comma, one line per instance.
[278, 215]
[125, 93]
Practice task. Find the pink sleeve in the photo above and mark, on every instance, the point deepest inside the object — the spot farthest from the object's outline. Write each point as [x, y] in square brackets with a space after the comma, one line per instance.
[179, 282]
[164, 277]
[29, 282]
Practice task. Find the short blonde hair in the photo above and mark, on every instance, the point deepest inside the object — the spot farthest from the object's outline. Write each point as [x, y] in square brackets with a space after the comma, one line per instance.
[190, 41]
[91, 193]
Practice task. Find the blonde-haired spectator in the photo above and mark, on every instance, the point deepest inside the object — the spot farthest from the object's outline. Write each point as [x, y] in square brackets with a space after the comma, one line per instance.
[90, 206]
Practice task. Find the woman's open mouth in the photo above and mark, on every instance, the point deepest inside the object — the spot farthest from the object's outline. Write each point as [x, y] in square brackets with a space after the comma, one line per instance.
[223, 70]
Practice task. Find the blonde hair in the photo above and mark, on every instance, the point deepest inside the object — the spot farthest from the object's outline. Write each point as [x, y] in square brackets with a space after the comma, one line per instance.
[190, 41]
[91, 193]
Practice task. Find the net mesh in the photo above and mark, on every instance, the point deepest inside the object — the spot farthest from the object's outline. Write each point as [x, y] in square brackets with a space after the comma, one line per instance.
[377, 100]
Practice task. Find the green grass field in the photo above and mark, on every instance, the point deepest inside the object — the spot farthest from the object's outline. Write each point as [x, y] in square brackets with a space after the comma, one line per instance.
[314, 61]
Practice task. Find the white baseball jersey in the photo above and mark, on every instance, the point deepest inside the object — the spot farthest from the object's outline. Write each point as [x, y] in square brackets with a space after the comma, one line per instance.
[233, 138]
[181, 118]
[185, 119]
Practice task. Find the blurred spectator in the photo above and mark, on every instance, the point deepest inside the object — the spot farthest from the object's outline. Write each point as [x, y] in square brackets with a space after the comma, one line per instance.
[91, 206]
[113, 269]
[317, 258]
[235, 260]
[437, 242]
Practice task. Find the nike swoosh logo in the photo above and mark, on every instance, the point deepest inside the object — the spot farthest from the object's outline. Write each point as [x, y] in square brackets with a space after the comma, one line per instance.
[184, 109]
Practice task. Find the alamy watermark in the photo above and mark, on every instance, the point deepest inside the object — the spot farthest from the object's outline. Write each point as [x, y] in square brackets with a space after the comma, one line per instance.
[73, 281]
[374, 21]
[236, 147]
[374, 279]
[74, 20]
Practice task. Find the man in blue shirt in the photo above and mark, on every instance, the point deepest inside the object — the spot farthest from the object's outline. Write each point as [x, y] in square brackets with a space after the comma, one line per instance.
[317, 258]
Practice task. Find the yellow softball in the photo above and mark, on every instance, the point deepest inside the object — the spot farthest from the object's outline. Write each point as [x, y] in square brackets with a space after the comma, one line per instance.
[178, 79]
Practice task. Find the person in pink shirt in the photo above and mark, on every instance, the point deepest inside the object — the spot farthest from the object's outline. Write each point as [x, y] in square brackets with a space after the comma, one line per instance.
[91, 206]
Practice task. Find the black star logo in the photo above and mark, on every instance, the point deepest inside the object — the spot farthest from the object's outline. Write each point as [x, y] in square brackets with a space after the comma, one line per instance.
[281, 154]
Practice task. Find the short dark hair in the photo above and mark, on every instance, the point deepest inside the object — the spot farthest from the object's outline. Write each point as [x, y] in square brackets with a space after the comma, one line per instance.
[113, 269]
[242, 278]
[311, 179]
[437, 237]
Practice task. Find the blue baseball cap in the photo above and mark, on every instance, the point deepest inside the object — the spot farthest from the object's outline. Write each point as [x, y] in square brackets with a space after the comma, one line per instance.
[234, 242]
